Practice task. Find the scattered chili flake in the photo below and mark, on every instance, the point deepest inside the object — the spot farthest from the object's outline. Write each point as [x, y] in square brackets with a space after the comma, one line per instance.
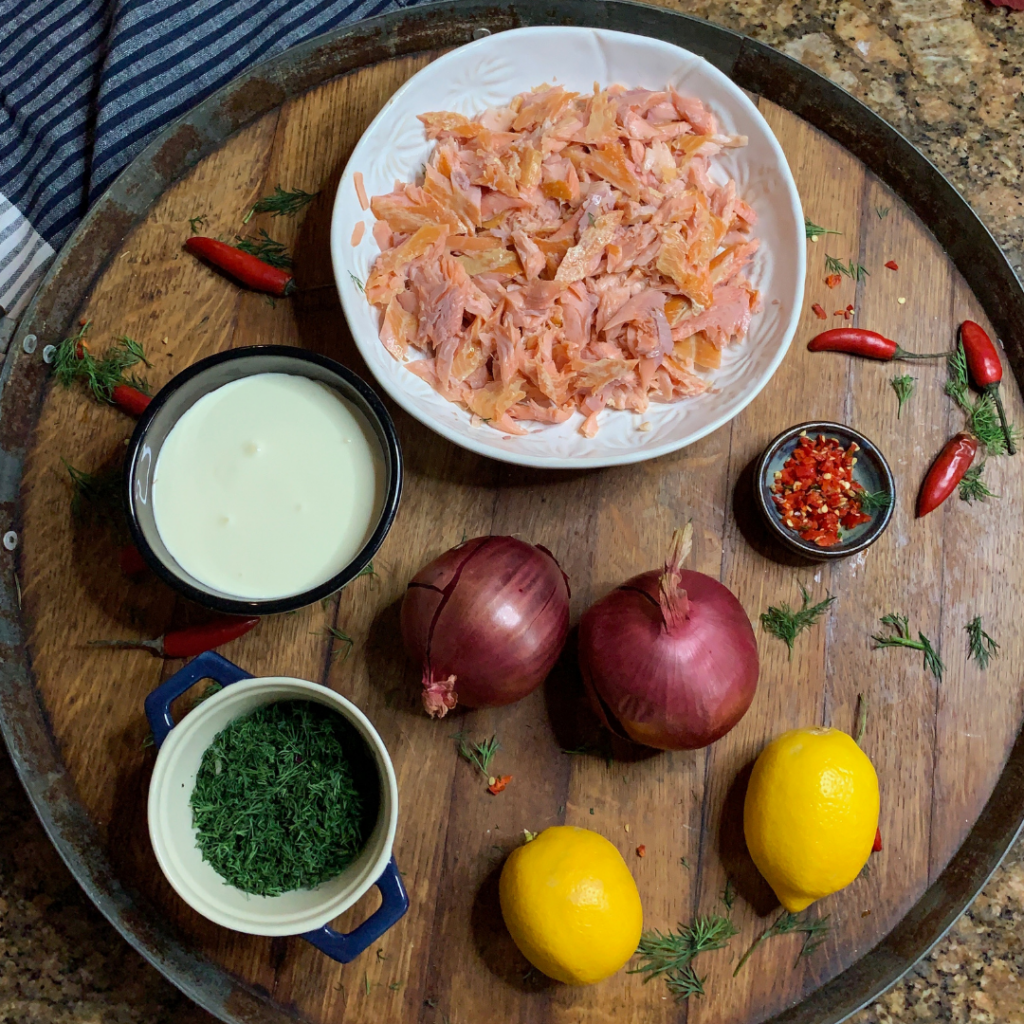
[839, 312]
[815, 492]
[641, 851]
[876, 846]
[892, 265]
[833, 279]
[499, 784]
[819, 312]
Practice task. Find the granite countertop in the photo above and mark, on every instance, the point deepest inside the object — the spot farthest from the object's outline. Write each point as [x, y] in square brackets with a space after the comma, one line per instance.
[949, 74]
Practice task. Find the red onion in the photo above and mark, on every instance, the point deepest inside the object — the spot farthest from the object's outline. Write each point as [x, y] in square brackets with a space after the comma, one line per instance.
[487, 621]
[669, 658]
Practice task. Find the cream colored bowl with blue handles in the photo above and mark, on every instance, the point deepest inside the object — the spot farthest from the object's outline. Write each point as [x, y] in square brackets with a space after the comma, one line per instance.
[302, 912]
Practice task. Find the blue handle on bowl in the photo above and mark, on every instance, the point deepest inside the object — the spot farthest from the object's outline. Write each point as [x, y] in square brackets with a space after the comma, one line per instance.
[206, 666]
[394, 904]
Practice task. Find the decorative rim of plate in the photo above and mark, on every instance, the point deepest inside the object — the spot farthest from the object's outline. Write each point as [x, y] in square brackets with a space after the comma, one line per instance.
[457, 432]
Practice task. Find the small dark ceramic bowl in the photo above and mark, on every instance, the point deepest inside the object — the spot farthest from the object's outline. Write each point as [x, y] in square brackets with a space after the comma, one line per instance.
[179, 395]
[871, 472]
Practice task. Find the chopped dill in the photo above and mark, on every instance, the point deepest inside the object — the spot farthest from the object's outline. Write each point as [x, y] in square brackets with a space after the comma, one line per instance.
[276, 805]
[980, 646]
[973, 488]
[901, 638]
[195, 223]
[783, 622]
[882, 211]
[728, 896]
[356, 281]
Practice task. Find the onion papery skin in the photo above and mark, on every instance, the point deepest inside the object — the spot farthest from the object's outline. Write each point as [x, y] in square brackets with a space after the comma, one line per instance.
[486, 621]
[678, 692]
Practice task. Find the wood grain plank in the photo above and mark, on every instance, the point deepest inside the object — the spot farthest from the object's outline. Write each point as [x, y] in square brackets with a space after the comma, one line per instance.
[450, 956]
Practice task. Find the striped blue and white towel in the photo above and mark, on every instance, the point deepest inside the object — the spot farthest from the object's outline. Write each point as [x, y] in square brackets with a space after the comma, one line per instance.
[84, 85]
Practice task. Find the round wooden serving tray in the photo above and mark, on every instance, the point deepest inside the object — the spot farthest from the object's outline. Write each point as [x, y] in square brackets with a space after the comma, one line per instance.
[947, 753]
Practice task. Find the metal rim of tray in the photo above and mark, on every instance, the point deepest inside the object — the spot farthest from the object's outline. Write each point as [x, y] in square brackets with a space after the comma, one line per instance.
[178, 148]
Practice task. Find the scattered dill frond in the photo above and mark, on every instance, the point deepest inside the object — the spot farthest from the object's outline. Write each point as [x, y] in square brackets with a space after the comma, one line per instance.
[862, 718]
[195, 223]
[590, 219]
[685, 863]
[980, 646]
[815, 231]
[265, 248]
[815, 931]
[343, 638]
[973, 488]
[480, 755]
[904, 387]
[73, 361]
[728, 896]
[367, 570]
[783, 622]
[882, 211]
[982, 413]
[671, 953]
[395, 986]
[356, 281]
[96, 497]
[852, 270]
[874, 501]
[901, 638]
[281, 203]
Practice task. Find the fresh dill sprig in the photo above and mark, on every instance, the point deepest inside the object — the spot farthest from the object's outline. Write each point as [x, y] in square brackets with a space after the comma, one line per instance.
[874, 501]
[815, 231]
[904, 387]
[343, 638]
[480, 755]
[882, 211]
[783, 622]
[852, 270]
[265, 248]
[96, 497]
[973, 488]
[980, 646]
[728, 895]
[982, 414]
[281, 203]
[901, 638]
[671, 953]
[73, 361]
[815, 931]
[195, 223]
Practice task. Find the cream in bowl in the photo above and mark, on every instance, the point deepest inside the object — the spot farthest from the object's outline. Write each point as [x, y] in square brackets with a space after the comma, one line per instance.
[262, 479]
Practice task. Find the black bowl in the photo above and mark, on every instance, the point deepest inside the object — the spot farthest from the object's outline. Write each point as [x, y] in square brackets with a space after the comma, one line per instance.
[180, 394]
[871, 472]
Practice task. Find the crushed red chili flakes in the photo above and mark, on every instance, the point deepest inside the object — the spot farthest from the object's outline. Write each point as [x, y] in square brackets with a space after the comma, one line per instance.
[893, 265]
[819, 312]
[498, 783]
[832, 280]
[815, 492]
[641, 850]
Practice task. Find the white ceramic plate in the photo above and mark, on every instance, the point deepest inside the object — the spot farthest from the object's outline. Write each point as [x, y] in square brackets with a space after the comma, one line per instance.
[488, 73]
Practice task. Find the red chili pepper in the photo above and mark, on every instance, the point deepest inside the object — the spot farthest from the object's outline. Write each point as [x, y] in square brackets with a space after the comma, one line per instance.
[819, 312]
[986, 369]
[242, 266]
[130, 400]
[946, 472]
[860, 342]
[131, 561]
[499, 784]
[876, 846]
[892, 265]
[186, 643]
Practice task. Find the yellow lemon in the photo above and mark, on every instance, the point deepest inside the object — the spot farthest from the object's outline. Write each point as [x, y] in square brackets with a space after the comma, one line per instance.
[571, 905]
[810, 814]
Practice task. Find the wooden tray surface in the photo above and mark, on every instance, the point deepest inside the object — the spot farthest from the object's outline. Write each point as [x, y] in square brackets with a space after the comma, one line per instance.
[938, 748]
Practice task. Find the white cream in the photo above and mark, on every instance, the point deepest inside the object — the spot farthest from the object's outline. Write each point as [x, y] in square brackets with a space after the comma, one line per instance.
[268, 486]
